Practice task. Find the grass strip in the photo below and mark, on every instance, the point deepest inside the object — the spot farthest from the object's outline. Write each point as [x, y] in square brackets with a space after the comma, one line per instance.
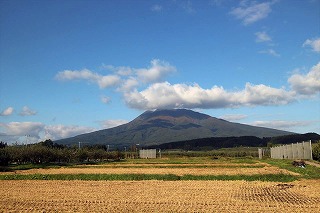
[174, 167]
[140, 177]
[309, 172]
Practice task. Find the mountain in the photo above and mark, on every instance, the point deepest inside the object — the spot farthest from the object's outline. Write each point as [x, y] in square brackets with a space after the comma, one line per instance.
[162, 126]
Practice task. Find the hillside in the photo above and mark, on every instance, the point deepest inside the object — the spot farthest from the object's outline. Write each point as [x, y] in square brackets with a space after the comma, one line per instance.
[162, 126]
[229, 142]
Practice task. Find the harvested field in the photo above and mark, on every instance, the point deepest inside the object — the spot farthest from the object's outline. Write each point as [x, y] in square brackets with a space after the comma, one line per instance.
[162, 169]
[159, 196]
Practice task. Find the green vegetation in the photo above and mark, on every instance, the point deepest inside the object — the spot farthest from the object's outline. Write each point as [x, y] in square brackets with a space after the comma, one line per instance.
[137, 177]
[309, 172]
[223, 152]
[49, 155]
[316, 151]
[47, 152]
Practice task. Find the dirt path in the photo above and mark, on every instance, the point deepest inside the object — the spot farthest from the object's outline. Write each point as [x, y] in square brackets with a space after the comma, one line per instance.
[313, 164]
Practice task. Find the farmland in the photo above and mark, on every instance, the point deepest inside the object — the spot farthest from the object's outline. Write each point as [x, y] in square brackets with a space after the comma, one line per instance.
[192, 185]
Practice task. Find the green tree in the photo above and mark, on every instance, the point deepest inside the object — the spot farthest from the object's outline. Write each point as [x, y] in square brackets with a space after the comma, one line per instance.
[316, 151]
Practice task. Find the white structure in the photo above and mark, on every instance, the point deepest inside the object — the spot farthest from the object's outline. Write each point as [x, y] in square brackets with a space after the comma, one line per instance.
[293, 151]
[148, 153]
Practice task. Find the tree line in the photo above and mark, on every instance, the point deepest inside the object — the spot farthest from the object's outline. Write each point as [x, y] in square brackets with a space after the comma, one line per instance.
[206, 144]
[49, 152]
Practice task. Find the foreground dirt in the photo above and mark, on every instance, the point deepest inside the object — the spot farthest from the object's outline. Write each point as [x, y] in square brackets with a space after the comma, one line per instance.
[159, 196]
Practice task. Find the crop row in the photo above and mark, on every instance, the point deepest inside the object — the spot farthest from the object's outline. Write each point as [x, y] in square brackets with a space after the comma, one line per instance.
[139, 177]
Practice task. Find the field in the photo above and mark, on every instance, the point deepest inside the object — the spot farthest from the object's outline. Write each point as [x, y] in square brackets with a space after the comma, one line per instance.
[192, 185]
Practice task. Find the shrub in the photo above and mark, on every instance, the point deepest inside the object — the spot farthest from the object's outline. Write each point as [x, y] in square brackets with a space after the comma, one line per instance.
[316, 151]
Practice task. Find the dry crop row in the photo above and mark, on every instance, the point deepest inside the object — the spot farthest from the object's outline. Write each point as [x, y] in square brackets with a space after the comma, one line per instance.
[158, 170]
[159, 196]
[117, 165]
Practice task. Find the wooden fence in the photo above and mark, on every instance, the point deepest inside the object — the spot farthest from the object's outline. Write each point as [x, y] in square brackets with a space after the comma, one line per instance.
[293, 151]
[148, 153]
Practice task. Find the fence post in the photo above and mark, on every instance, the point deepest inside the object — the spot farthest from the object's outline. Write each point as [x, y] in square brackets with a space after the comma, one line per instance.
[260, 153]
[311, 150]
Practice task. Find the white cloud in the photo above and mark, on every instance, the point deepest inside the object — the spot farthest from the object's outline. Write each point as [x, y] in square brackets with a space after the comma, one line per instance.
[252, 12]
[165, 95]
[22, 128]
[108, 81]
[130, 77]
[129, 84]
[85, 74]
[32, 132]
[159, 94]
[233, 117]
[271, 52]
[308, 84]
[280, 124]
[112, 123]
[313, 43]
[254, 95]
[6, 112]
[56, 132]
[262, 37]
[26, 111]
[157, 72]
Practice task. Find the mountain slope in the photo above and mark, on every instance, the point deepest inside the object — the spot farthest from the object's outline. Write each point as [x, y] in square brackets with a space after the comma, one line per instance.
[161, 126]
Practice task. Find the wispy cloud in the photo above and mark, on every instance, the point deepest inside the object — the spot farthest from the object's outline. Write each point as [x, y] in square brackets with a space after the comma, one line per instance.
[156, 8]
[281, 124]
[188, 7]
[103, 81]
[314, 44]
[234, 117]
[26, 111]
[250, 12]
[6, 112]
[262, 37]
[271, 52]
[105, 99]
[112, 123]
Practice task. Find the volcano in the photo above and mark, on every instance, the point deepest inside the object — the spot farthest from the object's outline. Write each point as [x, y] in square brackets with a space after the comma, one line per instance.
[163, 126]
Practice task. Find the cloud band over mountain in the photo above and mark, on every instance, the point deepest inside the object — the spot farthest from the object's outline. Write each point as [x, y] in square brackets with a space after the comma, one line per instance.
[145, 89]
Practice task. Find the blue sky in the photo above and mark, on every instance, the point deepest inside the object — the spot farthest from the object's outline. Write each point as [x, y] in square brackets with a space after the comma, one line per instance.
[70, 67]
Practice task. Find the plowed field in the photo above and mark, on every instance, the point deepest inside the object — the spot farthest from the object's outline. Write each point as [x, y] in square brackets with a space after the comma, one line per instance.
[159, 196]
